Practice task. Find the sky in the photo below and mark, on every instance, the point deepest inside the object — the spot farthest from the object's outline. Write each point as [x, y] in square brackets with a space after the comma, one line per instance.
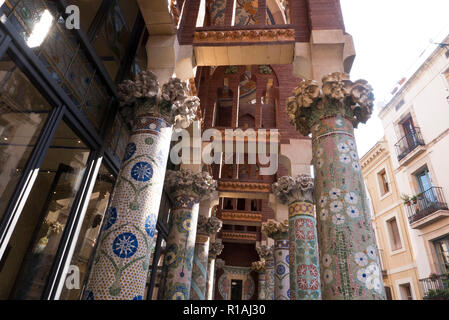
[392, 38]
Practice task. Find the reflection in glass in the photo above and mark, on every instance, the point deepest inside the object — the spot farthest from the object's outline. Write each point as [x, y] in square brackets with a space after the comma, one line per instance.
[88, 236]
[37, 235]
[23, 113]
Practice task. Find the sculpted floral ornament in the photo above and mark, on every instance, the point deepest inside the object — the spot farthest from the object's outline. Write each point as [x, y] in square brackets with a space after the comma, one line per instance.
[209, 226]
[265, 252]
[338, 95]
[288, 189]
[186, 183]
[172, 102]
[215, 250]
[259, 266]
[273, 229]
[219, 264]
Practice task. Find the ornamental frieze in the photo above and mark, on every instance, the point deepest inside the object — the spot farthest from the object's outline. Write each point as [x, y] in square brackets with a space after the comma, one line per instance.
[254, 35]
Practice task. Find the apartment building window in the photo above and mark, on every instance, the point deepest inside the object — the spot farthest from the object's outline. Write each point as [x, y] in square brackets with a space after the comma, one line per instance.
[406, 291]
[442, 249]
[393, 231]
[383, 182]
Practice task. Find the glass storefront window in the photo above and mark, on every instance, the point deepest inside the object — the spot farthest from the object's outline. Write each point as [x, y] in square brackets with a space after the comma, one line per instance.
[89, 233]
[23, 114]
[34, 243]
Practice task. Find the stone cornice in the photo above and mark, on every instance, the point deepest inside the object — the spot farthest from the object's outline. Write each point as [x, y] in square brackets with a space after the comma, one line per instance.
[241, 216]
[231, 235]
[337, 96]
[378, 150]
[184, 183]
[288, 189]
[229, 37]
[244, 186]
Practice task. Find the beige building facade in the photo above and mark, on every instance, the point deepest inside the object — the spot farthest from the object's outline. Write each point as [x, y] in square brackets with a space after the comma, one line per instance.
[390, 223]
[417, 139]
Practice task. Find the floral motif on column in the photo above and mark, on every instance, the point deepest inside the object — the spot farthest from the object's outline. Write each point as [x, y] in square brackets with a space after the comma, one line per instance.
[350, 268]
[297, 193]
[122, 259]
[206, 228]
[266, 253]
[214, 251]
[279, 233]
[187, 189]
[259, 267]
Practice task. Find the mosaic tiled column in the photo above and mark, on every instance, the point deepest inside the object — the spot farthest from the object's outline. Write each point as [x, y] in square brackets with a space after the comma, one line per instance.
[259, 267]
[187, 189]
[121, 263]
[219, 265]
[350, 268]
[215, 250]
[297, 193]
[279, 233]
[206, 228]
[266, 253]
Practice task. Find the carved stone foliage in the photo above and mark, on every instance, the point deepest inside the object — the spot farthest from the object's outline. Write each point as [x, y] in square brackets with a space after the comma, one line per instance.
[337, 96]
[219, 264]
[259, 266]
[209, 226]
[253, 35]
[215, 250]
[265, 252]
[289, 189]
[186, 183]
[144, 93]
[275, 230]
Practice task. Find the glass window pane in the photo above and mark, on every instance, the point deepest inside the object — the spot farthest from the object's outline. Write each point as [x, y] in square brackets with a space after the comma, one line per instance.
[89, 233]
[37, 235]
[23, 114]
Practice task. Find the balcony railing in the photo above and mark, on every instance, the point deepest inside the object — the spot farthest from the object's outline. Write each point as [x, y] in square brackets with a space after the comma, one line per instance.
[426, 203]
[438, 282]
[408, 143]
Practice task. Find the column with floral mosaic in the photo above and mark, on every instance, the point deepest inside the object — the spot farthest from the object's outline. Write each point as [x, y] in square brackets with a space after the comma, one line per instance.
[259, 267]
[214, 251]
[297, 193]
[206, 228]
[279, 233]
[349, 263]
[187, 189]
[122, 259]
[266, 253]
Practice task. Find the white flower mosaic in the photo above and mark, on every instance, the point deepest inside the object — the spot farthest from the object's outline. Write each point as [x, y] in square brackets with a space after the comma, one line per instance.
[351, 198]
[324, 214]
[351, 144]
[338, 219]
[327, 260]
[352, 211]
[343, 147]
[345, 158]
[319, 163]
[361, 259]
[371, 252]
[335, 193]
[336, 206]
[319, 152]
[323, 201]
[328, 276]
[354, 155]
[356, 166]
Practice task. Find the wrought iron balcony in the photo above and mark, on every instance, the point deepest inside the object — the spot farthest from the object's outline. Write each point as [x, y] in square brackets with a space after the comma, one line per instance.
[435, 283]
[425, 204]
[408, 143]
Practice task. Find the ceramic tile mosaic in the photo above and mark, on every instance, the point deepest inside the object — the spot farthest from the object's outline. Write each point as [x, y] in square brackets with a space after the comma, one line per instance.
[281, 268]
[199, 272]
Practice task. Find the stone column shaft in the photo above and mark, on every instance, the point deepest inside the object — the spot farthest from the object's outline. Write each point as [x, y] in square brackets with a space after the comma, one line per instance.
[215, 250]
[303, 241]
[350, 268]
[122, 260]
[187, 190]
[266, 254]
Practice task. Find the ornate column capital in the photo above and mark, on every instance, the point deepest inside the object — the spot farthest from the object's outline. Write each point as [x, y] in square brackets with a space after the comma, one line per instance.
[338, 96]
[219, 264]
[288, 189]
[259, 266]
[265, 252]
[207, 227]
[186, 184]
[144, 96]
[215, 250]
[276, 230]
